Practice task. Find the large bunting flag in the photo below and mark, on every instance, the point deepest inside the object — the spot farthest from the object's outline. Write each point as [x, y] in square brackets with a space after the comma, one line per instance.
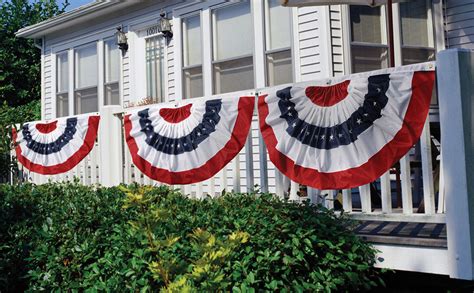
[348, 131]
[191, 143]
[55, 147]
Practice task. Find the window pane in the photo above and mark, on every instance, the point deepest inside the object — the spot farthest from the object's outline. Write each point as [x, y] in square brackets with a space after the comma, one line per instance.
[414, 21]
[62, 70]
[155, 68]
[366, 24]
[233, 33]
[112, 61]
[85, 101]
[279, 23]
[192, 40]
[86, 66]
[112, 94]
[193, 82]
[233, 75]
[365, 58]
[62, 105]
[279, 69]
[412, 55]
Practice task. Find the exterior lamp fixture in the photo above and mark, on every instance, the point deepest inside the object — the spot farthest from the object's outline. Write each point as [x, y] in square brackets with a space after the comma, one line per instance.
[165, 26]
[121, 39]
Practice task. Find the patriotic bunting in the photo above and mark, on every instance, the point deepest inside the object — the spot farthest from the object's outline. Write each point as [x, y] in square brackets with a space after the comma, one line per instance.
[191, 143]
[55, 147]
[349, 132]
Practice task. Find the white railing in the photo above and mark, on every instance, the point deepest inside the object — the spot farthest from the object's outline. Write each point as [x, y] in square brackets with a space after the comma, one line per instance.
[110, 163]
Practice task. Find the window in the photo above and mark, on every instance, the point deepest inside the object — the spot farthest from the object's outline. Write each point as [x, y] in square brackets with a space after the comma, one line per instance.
[62, 85]
[155, 68]
[86, 73]
[192, 57]
[233, 68]
[368, 43]
[279, 69]
[417, 32]
[112, 73]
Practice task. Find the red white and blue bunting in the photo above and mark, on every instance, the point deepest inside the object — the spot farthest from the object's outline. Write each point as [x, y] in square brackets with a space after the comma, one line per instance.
[188, 144]
[347, 133]
[55, 147]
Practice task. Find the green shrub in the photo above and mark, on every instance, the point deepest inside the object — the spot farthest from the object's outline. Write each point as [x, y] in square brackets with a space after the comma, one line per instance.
[59, 236]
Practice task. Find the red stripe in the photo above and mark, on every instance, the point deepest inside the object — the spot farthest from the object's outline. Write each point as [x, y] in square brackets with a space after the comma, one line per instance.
[76, 158]
[176, 115]
[378, 164]
[326, 96]
[213, 165]
[46, 127]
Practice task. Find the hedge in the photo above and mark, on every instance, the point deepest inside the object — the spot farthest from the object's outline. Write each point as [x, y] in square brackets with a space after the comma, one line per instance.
[137, 238]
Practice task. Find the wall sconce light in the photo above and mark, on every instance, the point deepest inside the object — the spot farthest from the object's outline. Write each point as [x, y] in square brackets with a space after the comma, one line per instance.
[165, 26]
[121, 39]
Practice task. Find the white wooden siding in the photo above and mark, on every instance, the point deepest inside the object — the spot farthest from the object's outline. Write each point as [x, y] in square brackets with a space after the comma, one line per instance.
[459, 23]
[336, 40]
[47, 86]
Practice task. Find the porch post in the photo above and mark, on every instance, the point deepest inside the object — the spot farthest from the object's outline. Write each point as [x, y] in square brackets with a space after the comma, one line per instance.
[455, 73]
[110, 146]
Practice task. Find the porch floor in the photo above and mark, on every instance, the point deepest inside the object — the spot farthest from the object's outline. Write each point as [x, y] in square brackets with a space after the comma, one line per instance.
[403, 233]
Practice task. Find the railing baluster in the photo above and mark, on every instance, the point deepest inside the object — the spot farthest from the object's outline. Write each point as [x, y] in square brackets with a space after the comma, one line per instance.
[294, 188]
[347, 200]
[236, 174]
[249, 163]
[427, 169]
[441, 192]
[279, 182]
[386, 193]
[94, 165]
[364, 192]
[407, 198]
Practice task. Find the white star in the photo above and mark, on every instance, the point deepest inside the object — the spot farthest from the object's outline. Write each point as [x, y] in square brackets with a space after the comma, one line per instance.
[378, 90]
[307, 132]
[375, 103]
[178, 145]
[289, 108]
[204, 128]
[199, 133]
[350, 130]
[294, 124]
[359, 121]
[213, 111]
[366, 114]
[323, 136]
[289, 114]
[340, 135]
[185, 144]
[331, 137]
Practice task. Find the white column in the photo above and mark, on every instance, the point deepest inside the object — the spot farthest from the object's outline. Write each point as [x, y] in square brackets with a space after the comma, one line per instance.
[455, 71]
[110, 146]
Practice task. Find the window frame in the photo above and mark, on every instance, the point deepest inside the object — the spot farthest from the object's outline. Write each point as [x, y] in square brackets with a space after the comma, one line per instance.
[184, 67]
[397, 32]
[119, 80]
[266, 25]
[213, 31]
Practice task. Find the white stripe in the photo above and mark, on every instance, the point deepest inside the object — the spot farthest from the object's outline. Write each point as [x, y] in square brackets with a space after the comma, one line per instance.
[356, 154]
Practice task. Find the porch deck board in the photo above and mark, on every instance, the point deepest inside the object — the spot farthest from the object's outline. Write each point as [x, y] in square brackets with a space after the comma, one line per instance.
[403, 233]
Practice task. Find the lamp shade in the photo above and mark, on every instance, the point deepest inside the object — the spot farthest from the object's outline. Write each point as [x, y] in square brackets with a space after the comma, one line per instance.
[300, 3]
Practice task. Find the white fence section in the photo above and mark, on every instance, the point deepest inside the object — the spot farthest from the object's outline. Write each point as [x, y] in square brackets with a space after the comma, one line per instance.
[110, 164]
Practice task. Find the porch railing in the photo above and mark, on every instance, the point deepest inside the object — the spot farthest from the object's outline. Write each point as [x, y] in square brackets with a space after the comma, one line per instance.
[414, 190]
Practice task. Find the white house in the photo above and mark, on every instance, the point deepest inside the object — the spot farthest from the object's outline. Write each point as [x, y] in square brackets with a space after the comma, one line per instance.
[233, 47]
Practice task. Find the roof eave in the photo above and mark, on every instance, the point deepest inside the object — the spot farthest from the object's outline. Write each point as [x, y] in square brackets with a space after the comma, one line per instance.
[40, 29]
